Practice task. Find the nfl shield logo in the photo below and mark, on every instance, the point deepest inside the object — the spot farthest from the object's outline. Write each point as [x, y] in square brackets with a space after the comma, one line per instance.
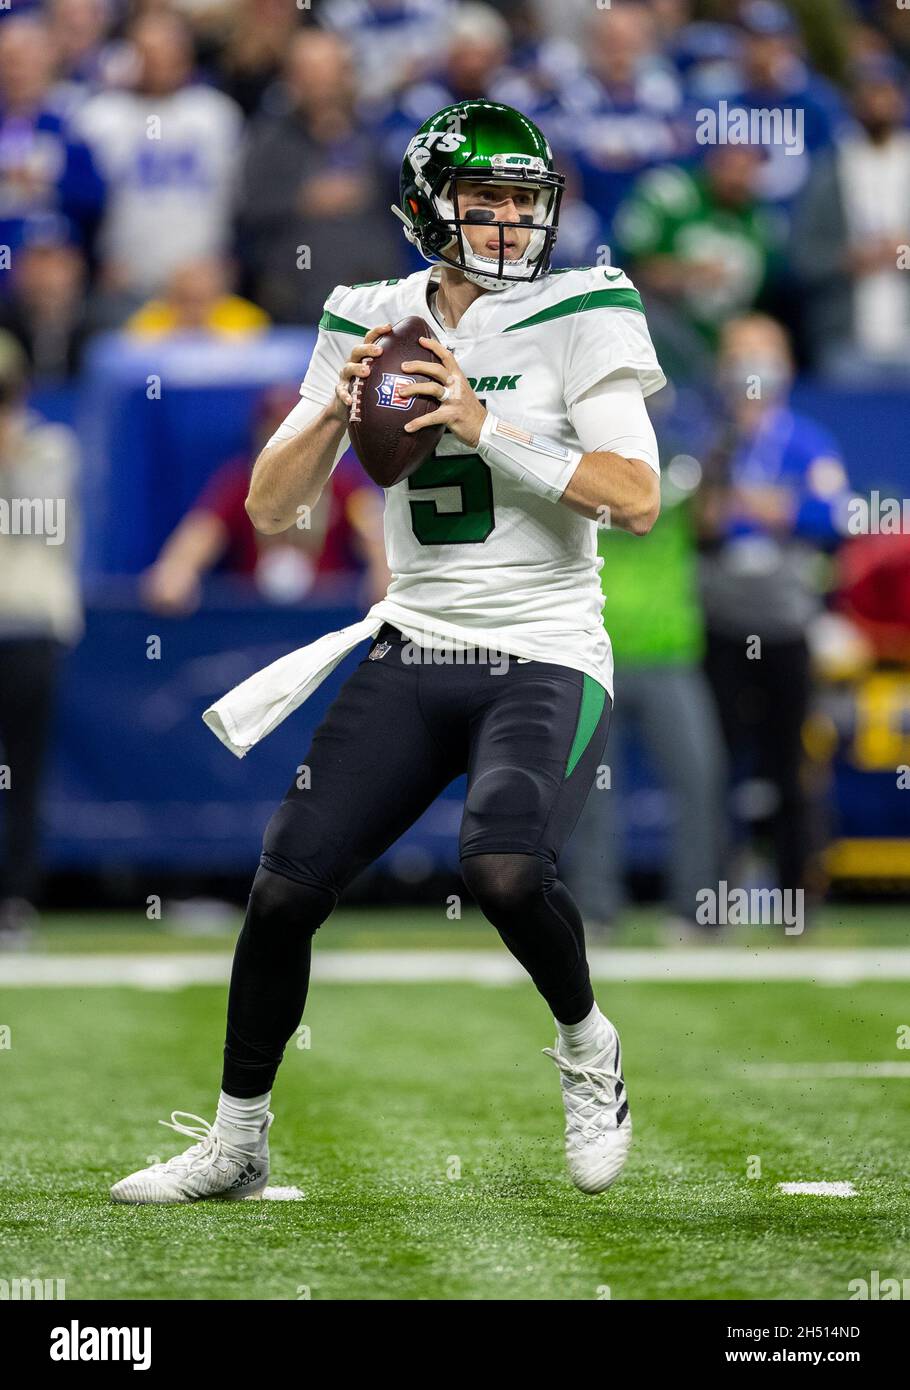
[388, 391]
[380, 650]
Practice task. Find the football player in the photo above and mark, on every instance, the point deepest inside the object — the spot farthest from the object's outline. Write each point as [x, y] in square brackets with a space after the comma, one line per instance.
[490, 656]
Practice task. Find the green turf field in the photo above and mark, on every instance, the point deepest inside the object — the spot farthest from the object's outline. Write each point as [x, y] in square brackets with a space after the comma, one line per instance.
[365, 928]
[424, 1129]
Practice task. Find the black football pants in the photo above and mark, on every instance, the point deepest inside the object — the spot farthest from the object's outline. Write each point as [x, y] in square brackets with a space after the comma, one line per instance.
[530, 738]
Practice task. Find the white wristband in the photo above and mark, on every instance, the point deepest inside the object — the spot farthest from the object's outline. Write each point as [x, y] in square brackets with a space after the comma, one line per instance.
[542, 465]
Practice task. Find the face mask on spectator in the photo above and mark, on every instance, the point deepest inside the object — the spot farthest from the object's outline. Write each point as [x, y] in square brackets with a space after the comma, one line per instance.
[755, 377]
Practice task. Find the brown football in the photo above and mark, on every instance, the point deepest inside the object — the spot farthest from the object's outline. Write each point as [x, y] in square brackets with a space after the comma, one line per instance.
[378, 415]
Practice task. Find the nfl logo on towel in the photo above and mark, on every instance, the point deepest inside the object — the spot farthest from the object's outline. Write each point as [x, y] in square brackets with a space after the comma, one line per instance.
[388, 392]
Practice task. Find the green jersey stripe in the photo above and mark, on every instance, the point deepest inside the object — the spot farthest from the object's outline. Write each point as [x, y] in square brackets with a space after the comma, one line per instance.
[594, 299]
[338, 325]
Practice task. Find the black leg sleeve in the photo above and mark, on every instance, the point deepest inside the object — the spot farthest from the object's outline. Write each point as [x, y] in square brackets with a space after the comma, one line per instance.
[269, 979]
[537, 919]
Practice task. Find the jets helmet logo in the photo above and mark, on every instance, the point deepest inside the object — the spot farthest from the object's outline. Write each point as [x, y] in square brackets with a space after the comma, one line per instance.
[388, 392]
[443, 141]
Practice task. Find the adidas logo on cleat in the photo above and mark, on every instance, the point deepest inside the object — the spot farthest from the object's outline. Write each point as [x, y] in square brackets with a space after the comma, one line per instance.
[249, 1174]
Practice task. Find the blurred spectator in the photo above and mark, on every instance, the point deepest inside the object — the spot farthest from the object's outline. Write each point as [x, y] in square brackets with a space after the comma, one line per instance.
[773, 484]
[671, 19]
[342, 536]
[45, 308]
[197, 300]
[620, 114]
[395, 42]
[777, 77]
[86, 58]
[40, 613]
[168, 150]
[891, 32]
[581, 232]
[252, 53]
[472, 60]
[570, 18]
[476, 52]
[702, 245]
[531, 46]
[653, 615]
[707, 56]
[43, 167]
[311, 211]
[215, 533]
[852, 234]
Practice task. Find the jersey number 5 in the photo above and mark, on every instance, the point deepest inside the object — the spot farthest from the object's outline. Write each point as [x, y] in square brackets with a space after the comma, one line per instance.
[473, 521]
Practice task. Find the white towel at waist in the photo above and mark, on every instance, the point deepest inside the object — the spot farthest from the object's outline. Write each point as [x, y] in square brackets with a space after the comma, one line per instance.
[258, 705]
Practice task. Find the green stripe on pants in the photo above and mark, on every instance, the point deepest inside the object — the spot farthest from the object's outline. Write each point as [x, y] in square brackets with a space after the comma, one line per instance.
[593, 697]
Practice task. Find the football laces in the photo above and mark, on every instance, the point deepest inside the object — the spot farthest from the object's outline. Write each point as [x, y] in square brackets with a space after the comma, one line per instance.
[354, 418]
[210, 1146]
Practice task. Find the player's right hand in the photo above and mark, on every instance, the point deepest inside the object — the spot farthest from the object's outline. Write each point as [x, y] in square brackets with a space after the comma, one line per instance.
[357, 365]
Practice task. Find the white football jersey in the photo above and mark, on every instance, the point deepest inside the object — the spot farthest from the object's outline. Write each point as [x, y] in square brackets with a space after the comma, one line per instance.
[475, 558]
[170, 185]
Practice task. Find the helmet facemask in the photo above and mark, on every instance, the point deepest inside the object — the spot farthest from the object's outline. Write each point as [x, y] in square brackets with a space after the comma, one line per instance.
[497, 272]
[450, 245]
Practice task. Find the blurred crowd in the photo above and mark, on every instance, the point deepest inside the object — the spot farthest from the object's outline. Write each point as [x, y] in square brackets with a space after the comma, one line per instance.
[224, 163]
[218, 166]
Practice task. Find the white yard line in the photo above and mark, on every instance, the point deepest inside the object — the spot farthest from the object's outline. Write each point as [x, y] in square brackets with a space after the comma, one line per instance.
[492, 968]
[817, 1189]
[828, 1071]
[142, 971]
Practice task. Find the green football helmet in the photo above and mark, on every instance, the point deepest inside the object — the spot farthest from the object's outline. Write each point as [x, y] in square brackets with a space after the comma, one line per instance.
[481, 142]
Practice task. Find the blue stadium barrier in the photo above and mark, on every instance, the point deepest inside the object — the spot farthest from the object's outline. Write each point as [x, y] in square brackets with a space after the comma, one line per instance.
[155, 421]
[871, 429]
[136, 778]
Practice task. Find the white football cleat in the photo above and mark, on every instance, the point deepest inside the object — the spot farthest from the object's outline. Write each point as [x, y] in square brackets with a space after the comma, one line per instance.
[210, 1168]
[598, 1123]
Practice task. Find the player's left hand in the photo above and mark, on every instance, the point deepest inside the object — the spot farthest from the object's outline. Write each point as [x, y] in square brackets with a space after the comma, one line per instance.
[459, 409]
